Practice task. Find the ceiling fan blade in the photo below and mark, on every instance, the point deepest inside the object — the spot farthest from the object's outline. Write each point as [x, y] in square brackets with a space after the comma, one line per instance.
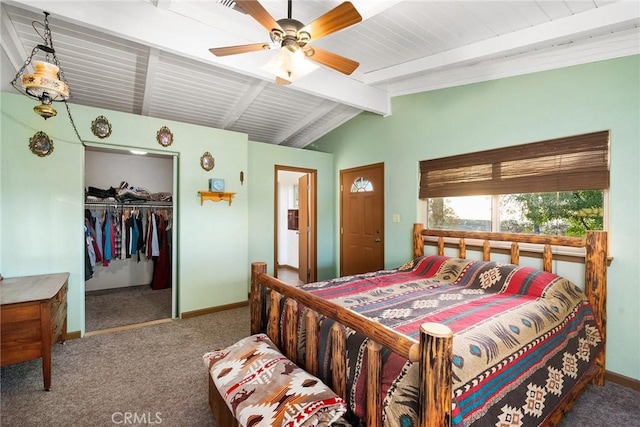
[232, 50]
[341, 16]
[259, 13]
[332, 60]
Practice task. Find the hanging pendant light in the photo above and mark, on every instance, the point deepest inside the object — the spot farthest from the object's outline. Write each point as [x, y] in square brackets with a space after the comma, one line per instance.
[47, 83]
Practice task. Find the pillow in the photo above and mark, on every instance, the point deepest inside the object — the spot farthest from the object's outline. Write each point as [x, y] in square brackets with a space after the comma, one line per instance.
[263, 388]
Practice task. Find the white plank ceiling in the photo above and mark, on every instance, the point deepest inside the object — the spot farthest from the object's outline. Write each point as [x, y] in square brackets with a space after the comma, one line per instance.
[150, 57]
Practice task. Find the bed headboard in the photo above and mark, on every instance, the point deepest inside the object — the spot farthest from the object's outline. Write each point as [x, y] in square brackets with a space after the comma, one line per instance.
[595, 258]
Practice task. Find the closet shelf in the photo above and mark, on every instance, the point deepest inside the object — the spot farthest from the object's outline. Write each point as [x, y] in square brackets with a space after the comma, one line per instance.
[215, 196]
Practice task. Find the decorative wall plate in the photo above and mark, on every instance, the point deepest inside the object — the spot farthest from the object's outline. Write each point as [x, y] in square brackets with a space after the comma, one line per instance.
[207, 161]
[40, 144]
[164, 136]
[101, 127]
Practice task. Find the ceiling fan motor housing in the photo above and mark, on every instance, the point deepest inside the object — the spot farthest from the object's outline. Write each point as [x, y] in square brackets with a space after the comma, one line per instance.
[292, 38]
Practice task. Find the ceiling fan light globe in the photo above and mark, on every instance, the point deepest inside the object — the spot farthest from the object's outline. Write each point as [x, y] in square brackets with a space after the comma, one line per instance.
[291, 45]
[303, 38]
[276, 35]
[289, 65]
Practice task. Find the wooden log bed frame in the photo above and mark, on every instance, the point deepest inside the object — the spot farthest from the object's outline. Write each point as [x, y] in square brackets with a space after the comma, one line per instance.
[433, 351]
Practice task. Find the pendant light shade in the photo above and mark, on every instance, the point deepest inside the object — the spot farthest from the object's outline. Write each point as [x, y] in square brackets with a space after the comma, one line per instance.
[289, 65]
[46, 83]
[45, 86]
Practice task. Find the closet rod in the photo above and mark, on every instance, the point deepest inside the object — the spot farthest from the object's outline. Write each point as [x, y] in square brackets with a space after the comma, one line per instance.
[129, 205]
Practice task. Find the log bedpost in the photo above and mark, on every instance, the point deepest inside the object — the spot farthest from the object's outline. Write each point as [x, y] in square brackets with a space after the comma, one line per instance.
[338, 360]
[290, 339]
[311, 350]
[374, 384]
[515, 253]
[595, 288]
[462, 249]
[486, 250]
[418, 241]
[547, 258]
[257, 304]
[435, 386]
[273, 325]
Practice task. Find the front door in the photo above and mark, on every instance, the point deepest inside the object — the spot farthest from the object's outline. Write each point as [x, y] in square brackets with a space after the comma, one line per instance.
[362, 219]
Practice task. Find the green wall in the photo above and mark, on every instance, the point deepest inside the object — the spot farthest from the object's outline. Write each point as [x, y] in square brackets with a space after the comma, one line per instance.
[262, 161]
[574, 100]
[42, 201]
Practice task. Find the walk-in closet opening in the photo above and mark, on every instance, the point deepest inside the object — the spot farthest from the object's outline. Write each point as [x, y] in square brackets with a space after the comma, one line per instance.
[130, 238]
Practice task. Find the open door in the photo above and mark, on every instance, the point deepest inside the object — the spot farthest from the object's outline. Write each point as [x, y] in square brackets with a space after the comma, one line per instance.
[305, 239]
[303, 228]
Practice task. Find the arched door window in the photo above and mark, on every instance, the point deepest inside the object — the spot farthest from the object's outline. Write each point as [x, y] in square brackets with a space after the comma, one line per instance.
[361, 184]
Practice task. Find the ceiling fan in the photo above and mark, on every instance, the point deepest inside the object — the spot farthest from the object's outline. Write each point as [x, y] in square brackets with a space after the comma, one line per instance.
[294, 38]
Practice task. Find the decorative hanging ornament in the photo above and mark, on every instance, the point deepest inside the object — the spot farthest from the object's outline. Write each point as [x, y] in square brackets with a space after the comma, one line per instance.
[40, 144]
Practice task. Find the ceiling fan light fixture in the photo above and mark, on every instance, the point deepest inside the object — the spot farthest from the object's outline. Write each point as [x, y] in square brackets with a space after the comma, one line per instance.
[293, 38]
[289, 65]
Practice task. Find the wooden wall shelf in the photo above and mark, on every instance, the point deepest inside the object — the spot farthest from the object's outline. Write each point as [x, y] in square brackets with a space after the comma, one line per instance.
[215, 196]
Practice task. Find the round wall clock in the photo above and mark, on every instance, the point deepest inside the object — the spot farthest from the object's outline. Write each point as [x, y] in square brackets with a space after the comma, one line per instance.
[207, 161]
[40, 144]
[216, 184]
[101, 127]
[164, 136]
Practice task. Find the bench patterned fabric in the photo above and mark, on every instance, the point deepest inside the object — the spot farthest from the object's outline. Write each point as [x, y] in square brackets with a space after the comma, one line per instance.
[263, 388]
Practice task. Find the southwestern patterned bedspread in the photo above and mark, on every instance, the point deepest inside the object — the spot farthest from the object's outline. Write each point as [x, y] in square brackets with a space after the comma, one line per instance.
[522, 337]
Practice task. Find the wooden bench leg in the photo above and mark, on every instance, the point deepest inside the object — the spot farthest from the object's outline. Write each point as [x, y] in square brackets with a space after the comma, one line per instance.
[219, 408]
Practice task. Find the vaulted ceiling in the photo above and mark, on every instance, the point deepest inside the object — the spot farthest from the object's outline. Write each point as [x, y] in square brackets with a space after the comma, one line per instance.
[151, 57]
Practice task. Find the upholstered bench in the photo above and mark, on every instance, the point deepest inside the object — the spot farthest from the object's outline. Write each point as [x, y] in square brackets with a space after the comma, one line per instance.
[252, 384]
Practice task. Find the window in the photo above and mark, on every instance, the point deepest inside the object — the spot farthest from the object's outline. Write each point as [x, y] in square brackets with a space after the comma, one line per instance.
[552, 187]
[361, 184]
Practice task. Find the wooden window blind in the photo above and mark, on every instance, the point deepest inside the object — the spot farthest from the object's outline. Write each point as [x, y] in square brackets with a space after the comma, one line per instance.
[578, 162]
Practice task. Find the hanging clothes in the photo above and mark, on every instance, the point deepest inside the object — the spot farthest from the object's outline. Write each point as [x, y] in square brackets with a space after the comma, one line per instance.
[149, 243]
[121, 250]
[109, 240]
[139, 233]
[138, 241]
[96, 221]
[88, 270]
[126, 241]
[162, 263]
[95, 251]
[155, 243]
[89, 244]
